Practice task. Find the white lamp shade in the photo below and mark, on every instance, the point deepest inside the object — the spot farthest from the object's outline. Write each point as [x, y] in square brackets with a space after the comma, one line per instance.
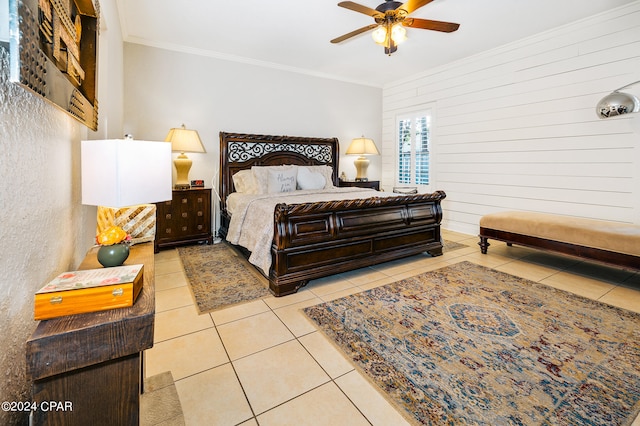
[119, 173]
[362, 146]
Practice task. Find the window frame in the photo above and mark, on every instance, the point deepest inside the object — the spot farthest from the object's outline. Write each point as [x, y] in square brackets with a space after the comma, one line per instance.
[414, 116]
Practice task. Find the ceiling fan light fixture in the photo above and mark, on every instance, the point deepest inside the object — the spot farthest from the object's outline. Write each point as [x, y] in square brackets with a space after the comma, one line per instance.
[379, 35]
[398, 33]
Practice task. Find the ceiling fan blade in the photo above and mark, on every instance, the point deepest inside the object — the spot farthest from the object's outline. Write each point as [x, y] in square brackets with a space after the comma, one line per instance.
[359, 8]
[426, 24]
[353, 33]
[411, 5]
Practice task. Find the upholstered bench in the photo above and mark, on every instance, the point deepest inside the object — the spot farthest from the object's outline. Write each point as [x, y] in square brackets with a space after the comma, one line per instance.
[610, 242]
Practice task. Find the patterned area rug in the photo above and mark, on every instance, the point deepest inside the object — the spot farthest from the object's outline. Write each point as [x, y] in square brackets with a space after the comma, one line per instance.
[219, 277]
[470, 345]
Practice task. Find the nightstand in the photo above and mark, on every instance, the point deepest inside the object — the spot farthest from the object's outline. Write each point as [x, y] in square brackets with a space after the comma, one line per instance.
[184, 219]
[374, 184]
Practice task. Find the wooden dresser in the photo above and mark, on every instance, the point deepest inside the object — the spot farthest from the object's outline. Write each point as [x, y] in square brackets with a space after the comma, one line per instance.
[87, 368]
[186, 218]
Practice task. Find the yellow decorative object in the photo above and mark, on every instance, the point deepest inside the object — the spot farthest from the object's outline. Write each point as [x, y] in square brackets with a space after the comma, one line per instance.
[110, 236]
[138, 221]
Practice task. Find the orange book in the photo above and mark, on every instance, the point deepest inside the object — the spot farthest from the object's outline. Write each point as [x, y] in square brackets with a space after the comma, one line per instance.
[89, 290]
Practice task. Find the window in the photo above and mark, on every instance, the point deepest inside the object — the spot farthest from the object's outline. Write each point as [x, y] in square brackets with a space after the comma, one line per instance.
[413, 149]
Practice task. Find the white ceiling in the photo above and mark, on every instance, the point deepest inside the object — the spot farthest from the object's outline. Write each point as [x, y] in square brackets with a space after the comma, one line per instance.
[294, 34]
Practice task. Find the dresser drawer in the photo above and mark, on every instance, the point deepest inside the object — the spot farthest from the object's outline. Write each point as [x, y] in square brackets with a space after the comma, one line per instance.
[186, 218]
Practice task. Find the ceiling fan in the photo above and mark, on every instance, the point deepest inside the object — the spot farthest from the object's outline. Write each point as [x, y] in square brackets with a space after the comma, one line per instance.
[391, 17]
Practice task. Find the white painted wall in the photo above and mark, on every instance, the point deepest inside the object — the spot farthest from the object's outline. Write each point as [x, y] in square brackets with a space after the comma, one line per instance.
[515, 127]
[164, 89]
[44, 229]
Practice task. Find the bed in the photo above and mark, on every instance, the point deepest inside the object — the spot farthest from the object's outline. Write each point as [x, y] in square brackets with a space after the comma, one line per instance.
[313, 239]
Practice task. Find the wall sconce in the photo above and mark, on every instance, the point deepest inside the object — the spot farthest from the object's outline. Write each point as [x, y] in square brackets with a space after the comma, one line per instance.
[184, 140]
[618, 103]
[362, 146]
[128, 173]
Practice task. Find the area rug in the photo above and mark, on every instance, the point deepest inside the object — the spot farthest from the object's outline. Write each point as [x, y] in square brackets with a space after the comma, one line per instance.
[219, 277]
[160, 403]
[467, 344]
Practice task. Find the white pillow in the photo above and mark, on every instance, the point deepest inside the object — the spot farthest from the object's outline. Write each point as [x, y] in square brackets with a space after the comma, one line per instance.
[310, 180]
[261, 176]
[244, 182]
[282, 180]
[326, 171]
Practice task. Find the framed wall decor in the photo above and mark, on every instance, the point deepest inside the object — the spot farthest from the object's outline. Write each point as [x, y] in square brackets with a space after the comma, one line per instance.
[53, 47]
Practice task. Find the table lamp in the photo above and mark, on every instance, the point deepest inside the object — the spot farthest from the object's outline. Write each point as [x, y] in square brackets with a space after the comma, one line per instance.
[121, 176]
[362, 146]
[183, 140]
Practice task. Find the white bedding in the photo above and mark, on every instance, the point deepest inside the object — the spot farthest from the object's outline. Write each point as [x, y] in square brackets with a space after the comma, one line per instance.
[252, 215]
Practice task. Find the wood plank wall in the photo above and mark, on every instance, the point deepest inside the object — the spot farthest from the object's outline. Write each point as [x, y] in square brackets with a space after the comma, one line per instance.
[515, 128]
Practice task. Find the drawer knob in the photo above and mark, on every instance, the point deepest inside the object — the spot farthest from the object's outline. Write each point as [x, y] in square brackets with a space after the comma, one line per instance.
[185, 214]
[184, 201]
[184, 228]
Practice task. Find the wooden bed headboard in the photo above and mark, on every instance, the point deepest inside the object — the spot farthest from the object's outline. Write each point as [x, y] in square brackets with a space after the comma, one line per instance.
[240, 151]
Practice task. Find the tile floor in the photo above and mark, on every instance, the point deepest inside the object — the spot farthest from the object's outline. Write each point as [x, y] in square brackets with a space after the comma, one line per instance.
[263, 363]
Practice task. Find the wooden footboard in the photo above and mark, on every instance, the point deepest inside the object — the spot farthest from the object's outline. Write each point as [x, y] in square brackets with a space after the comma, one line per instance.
[314, 240]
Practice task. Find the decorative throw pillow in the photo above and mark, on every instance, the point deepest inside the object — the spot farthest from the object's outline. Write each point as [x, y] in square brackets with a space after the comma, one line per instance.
[244, 182]
[326, 171]
[282, 180]
[261, 176]
[310, 180]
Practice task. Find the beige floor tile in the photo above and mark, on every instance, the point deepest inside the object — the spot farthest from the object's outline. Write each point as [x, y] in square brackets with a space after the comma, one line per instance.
[363, 276]
[250, 422]
[186, 355]
[295, 320]
[176, 322]
[623, 297]
[400, 266]
[551, 260]
[331, 359]
[342, 293]
[213, 397]
[583, 286]
[369, 400]
[166, 255]
[278, 302]
[323, 406]
[602, 272]
[169, 281]
[173, 298]
[488, 260]
[249, 335]
[240, 311]
[278, 374]
[168, 267]
[323, 287]
[455, 236]
[530, 271]
[377, 283]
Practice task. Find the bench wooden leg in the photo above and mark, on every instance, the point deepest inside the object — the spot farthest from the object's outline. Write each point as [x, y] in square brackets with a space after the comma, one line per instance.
[484, 244]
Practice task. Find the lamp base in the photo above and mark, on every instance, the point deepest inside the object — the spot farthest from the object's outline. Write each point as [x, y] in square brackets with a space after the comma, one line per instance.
[362, 164]
[183, 165]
